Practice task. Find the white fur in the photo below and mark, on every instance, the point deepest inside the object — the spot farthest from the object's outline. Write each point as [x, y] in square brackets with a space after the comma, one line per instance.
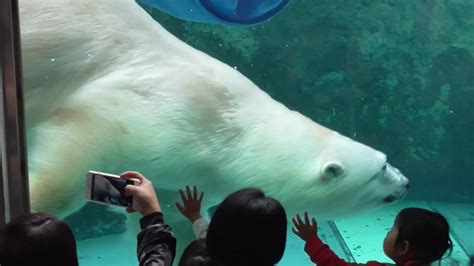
[108, 89]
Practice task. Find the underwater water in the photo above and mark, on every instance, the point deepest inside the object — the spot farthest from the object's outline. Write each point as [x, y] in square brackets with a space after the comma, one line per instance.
[395, 75]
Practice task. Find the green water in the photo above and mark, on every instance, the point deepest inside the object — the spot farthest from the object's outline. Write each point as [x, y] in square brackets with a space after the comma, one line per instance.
[396, 75]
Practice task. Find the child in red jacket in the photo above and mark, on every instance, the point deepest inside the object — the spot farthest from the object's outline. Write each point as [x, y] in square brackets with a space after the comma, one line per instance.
[418, 237]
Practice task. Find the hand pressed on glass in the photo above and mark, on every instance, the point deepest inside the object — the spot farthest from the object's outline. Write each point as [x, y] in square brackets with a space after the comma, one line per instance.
[191, 207]
[305, 230]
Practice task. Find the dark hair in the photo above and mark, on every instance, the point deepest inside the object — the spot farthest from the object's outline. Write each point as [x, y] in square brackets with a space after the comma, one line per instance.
[37, 239]
[426, 232]
[196, 255]
[247, 229]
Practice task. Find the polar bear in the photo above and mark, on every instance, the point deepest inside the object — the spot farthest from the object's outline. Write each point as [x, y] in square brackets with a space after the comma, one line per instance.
[107, 88]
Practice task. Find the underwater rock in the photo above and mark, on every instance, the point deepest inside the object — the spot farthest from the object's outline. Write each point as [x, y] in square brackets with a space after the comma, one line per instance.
[94, 220]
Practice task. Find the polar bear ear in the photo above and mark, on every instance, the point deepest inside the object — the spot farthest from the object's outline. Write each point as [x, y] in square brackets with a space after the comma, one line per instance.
[332, 170]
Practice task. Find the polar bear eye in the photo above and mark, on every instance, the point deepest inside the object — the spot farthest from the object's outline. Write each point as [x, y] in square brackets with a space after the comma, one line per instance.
[332, 170]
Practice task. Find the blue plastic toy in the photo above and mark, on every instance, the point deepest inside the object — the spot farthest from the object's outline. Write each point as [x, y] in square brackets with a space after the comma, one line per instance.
[230, 12]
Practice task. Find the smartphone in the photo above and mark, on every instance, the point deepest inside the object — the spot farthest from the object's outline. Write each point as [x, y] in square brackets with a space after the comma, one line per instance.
[108, 189]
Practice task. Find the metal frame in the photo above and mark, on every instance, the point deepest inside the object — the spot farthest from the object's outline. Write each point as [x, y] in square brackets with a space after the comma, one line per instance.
[14, 194]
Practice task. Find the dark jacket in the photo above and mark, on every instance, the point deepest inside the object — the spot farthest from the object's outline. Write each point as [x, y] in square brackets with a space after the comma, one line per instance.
[156, 242]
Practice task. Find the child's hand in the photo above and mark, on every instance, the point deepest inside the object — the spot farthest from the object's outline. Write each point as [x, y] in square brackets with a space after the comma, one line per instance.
[191, 208]
[305, 230]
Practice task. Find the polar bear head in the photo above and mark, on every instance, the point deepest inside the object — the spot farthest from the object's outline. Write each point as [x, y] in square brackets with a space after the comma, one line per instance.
[332, 175]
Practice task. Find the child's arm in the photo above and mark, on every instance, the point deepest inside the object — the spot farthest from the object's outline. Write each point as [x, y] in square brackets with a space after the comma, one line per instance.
[318, 252]
[191, 209]
[200, 227]
[321, 254]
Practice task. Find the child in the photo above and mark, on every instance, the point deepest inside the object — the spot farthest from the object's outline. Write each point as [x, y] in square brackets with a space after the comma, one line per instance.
[37, 239]
[418, 237]
[248, 228]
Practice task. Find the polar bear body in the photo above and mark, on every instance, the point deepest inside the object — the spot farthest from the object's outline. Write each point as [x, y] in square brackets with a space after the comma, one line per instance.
[108, 89]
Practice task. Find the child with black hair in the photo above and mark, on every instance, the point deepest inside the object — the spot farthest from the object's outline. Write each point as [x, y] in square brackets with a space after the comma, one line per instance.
[37, 239]
[247, 229]
[418, 237]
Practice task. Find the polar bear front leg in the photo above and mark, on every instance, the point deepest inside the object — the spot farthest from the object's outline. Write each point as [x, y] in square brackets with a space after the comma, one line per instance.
[62, 150]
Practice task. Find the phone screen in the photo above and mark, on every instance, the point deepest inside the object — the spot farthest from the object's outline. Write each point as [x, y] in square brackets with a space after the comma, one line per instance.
[110, 190]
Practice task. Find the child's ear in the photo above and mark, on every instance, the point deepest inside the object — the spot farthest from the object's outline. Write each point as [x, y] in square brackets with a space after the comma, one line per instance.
[406, 248]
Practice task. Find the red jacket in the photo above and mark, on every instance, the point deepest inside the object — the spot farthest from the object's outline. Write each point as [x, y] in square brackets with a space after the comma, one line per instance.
[322, 255]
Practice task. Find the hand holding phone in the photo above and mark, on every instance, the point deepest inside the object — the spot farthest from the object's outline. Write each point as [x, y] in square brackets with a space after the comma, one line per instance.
[108, 189]
[145, 200]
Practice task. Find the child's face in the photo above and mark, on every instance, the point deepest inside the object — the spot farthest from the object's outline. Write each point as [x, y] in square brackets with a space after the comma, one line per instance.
[389, 242]
[397, 254]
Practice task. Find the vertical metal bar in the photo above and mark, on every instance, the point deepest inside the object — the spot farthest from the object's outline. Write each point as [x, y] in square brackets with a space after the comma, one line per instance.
[2, 198]
[14, 160]
[342, 244]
